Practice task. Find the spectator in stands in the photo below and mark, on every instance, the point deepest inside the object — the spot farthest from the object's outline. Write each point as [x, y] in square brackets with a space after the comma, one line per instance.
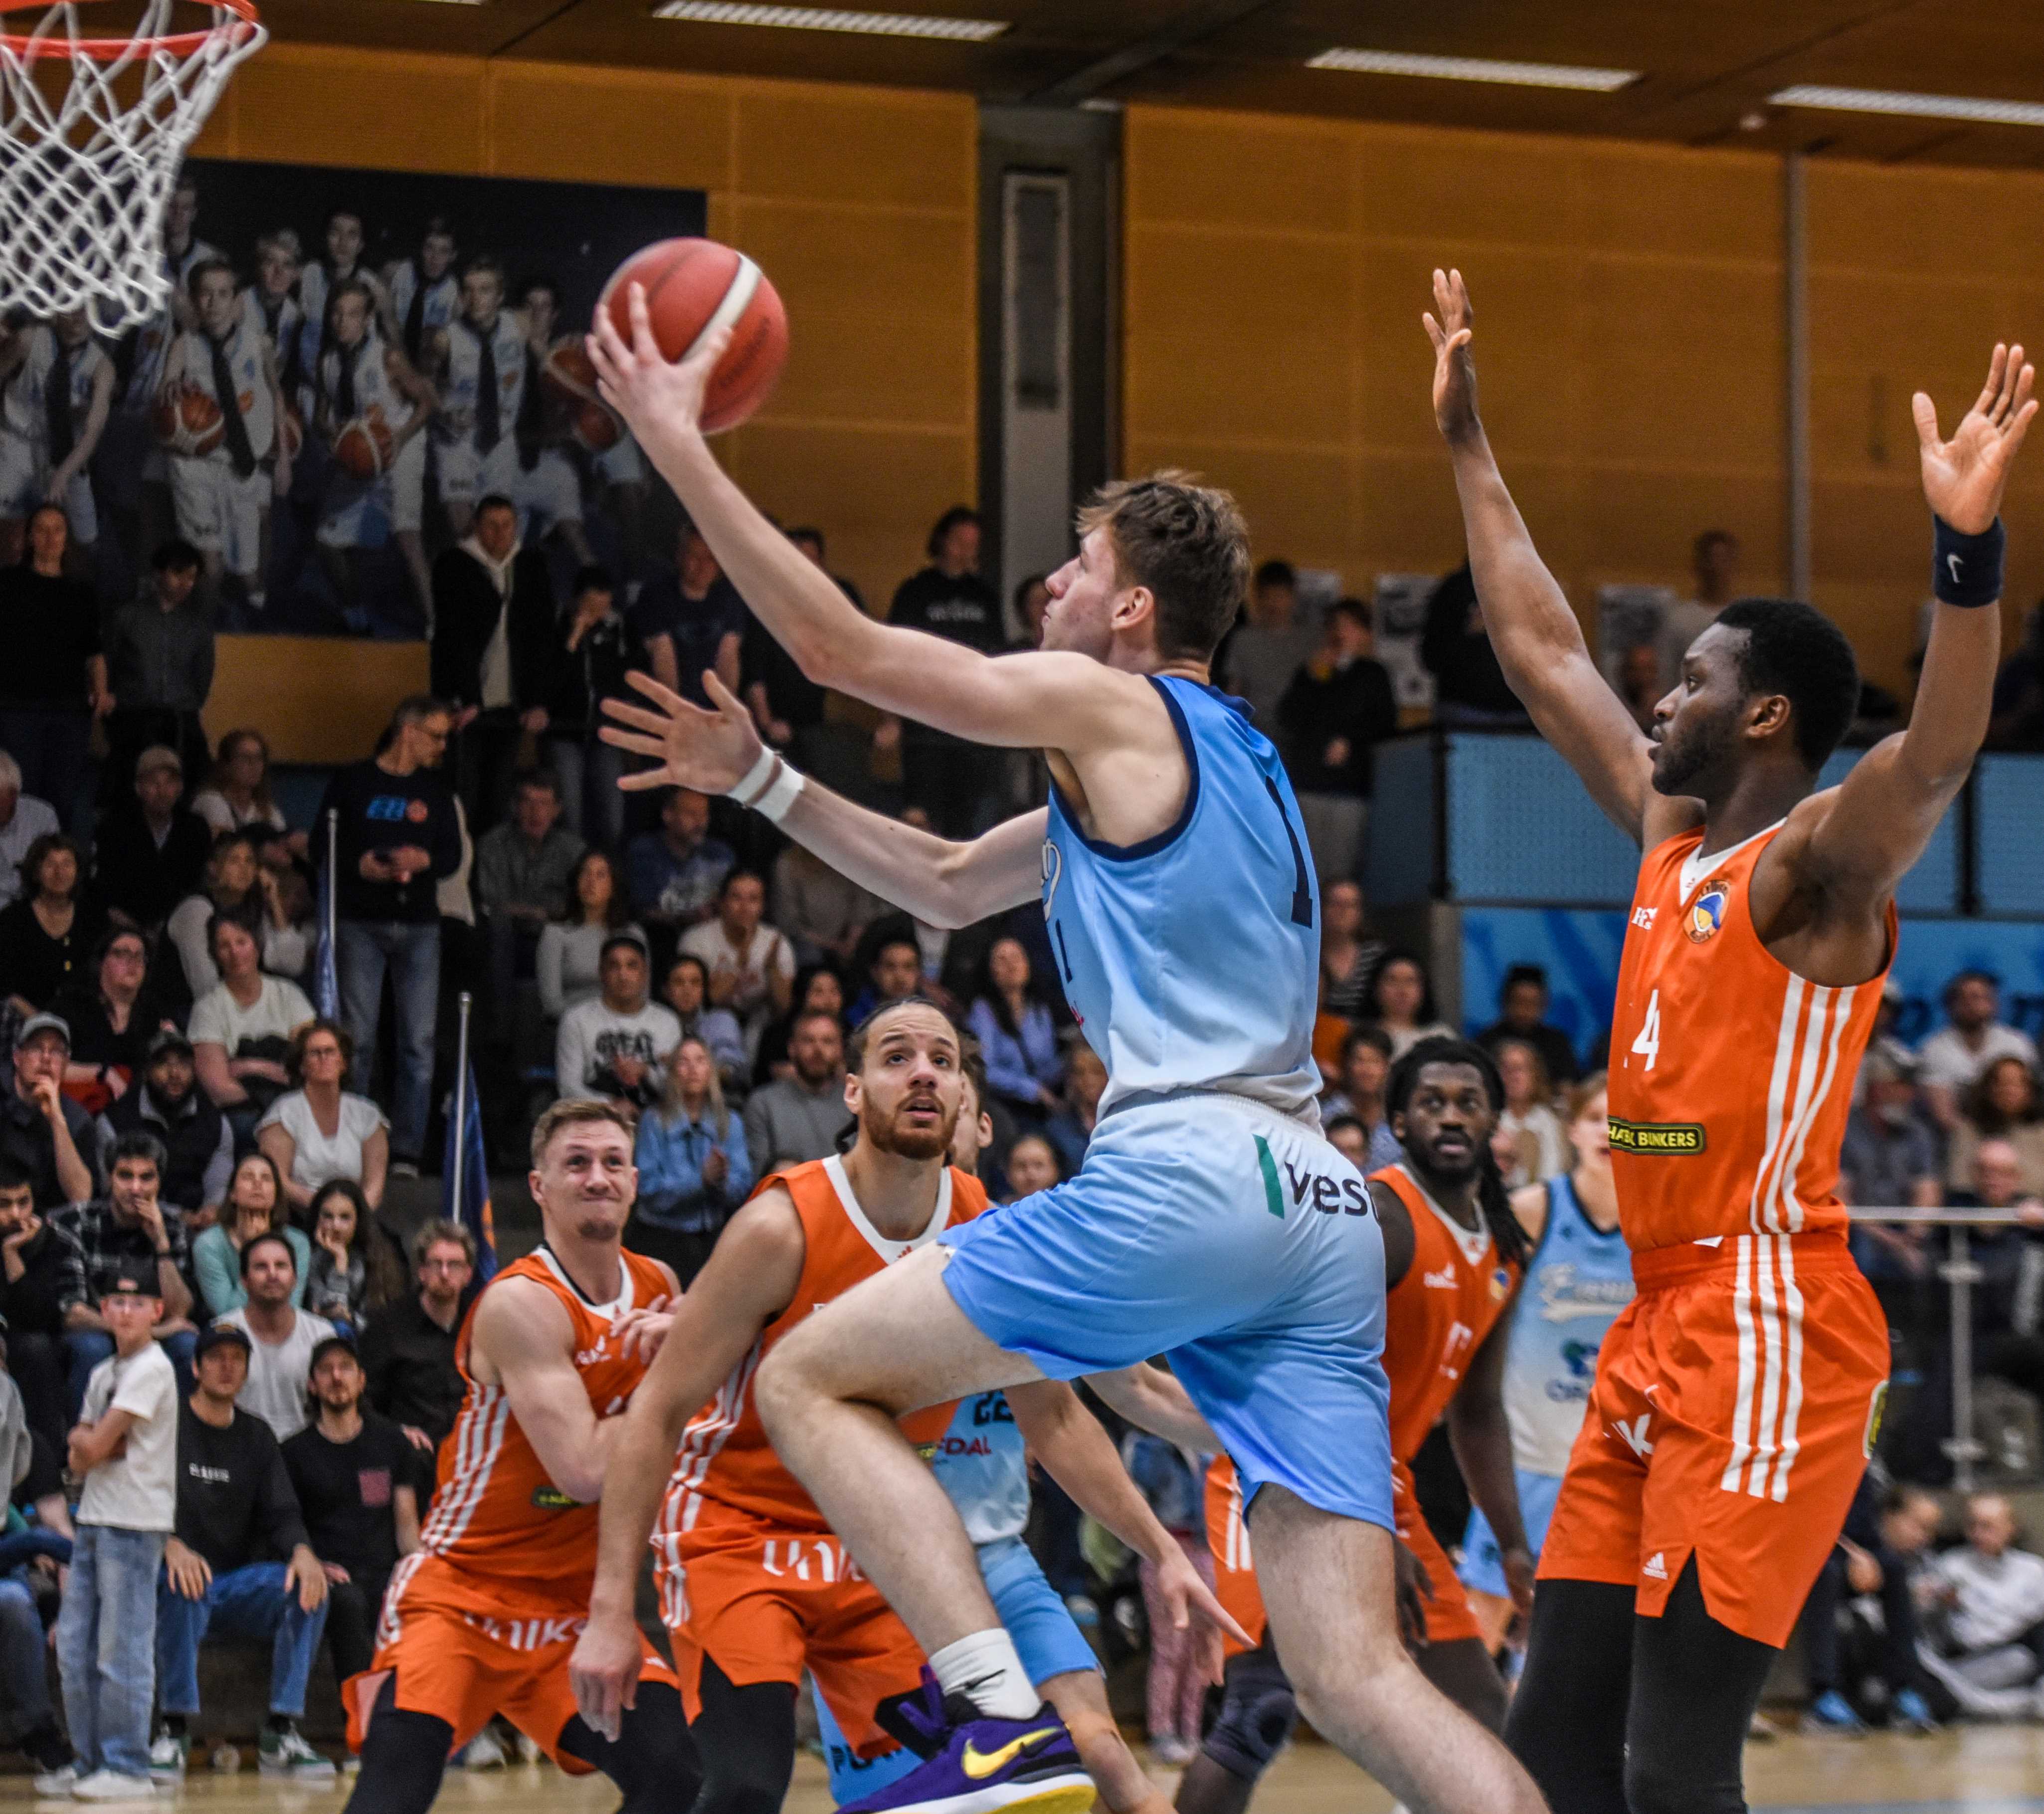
[1885, 1535]
[817, 991]
[751, 964]
[320, 1131]
[690, 620]
[112, 1017]
[1522, 1014]
[693, 1167]
[350, 1470]
[1890, 1159]
[786, 706]
[408, 1351]
[895, 973]
[151, 854]
[1070, 1131]
[241, 1029]
[1539, 1140]
[1950, 1061]
[129, 1229]
[23, 819]
[522, 868]
[594, 648]
[1350, 1139]
[1032, 1166]
[1714, 561]
[1259, 657]
[236, 795]
[281, 1336]
[615, 1046]
[1470, 687]
[35, 1257]
[1365, 1068]
[125, 1446]
[159, 664]
[46, 933]
[1638, 682]
[1032, 601]
[568, 961]
[54, 681]
[1011, 1021]
[1401, 1001]
[399, 835]
[2018, 722]
[1338, 707]
[686, 991]
[34, 1476]
[677, 873]
[237, 888]
[1348, 955]
[823, 913]
[1993, 1597]
[167, 1102]
[2003, 1103]
[799, 1117]
[42, 1129]
[354, 1270]
[239, 1565]
[254, 1205]
[955, 782]
[492, 646]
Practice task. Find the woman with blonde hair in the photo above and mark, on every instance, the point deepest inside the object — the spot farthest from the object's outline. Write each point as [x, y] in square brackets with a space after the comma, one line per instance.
[694, 1169]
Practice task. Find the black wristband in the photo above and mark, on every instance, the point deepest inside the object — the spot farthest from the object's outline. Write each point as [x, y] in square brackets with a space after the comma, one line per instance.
[1966, 570]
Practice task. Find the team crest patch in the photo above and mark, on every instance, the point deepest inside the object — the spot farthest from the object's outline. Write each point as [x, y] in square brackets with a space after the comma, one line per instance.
[1707, 912]
[1500, 1284]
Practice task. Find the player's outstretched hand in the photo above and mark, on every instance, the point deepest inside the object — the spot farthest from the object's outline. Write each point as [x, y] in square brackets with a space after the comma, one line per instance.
[1964, 477]
[653, 394]
[709, 752]
[1451, 329]
[1193, 1609]
[603, 1672]
[1413, 1591]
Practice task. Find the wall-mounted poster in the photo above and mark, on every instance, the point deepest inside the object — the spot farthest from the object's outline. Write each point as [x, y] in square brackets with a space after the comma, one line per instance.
[398, 349]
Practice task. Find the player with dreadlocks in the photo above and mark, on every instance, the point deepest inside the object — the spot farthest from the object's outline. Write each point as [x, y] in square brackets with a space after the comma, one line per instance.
[1454, 1254]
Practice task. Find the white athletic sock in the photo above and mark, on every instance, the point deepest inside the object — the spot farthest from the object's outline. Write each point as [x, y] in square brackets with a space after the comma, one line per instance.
[985, 1669]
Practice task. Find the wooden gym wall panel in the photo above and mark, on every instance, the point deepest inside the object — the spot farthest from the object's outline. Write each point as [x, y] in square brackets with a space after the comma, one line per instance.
[317, 699]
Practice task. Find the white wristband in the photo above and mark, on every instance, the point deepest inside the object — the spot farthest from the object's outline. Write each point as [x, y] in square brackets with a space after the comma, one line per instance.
[754, 780]
[781, 794]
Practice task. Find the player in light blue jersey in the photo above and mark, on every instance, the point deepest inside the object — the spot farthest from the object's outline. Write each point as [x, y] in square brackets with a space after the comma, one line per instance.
[1579, 1278]
[1210, 1219]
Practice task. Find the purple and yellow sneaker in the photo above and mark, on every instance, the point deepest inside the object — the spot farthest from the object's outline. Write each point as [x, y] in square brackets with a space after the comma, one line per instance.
[975, 1765]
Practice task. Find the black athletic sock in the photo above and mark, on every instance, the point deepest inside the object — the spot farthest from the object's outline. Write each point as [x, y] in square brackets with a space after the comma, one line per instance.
[174, 1725]
[653, 1760]
[280, 1724]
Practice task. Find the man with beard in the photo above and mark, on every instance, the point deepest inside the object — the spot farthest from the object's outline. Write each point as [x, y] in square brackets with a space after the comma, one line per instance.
[198, 1144]
[1739, 1395]
[753, 1586]
[1453, 1256]
[479, 1619]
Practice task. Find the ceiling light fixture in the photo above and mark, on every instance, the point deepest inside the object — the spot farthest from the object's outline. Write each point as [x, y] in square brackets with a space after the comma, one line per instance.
[1921, 107]
[1473, 69]
[831, 19]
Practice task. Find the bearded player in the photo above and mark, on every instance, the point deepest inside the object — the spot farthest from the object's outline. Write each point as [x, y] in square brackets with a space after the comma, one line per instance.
[480, 1618]
[1738, 1396]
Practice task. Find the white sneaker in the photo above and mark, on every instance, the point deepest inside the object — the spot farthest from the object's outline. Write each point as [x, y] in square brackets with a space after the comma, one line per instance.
[483, 1753]
[168, 1756]
[110, 1785]
[286, 1754]
[57, 1781]
[529, 1749]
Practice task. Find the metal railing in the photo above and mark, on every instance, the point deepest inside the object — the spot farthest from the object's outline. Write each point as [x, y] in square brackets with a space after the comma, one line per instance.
[1961, 1275]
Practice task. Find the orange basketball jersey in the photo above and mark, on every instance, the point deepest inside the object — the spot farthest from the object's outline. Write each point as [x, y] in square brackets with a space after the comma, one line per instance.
[1730, 1076]
[725, 1458]
[495, 1513]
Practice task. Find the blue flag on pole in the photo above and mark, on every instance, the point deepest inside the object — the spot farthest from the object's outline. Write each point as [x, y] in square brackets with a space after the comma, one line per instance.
[326, 978]
[465, 1180]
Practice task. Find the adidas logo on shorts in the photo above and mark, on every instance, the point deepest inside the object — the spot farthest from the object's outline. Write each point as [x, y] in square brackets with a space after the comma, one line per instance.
[1656, 1568]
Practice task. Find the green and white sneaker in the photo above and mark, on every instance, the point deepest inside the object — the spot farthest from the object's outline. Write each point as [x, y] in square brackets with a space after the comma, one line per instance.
[169, 1755]
[286, 1754]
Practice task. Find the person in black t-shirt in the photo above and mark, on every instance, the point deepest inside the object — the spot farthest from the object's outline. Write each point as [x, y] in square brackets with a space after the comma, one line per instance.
[594, 648]
[1338, 706]
[35, 1255]
[786, 704]
[351, 1470]
[53, 683]
[691, 619]
[953, 781]
[408, 1349]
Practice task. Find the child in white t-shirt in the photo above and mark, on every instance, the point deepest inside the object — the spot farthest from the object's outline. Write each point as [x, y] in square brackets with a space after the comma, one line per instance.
[124, 1448]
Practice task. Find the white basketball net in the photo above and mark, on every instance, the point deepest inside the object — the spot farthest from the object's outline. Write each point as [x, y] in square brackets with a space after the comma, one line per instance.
[85, 171]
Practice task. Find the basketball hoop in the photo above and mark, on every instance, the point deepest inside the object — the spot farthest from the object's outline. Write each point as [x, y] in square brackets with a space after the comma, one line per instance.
[88, 156]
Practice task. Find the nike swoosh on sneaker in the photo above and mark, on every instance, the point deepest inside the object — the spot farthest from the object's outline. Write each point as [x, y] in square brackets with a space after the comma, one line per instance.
[979, 1765]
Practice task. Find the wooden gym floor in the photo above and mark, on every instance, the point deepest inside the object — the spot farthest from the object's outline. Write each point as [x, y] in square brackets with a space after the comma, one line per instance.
[1971, 1770]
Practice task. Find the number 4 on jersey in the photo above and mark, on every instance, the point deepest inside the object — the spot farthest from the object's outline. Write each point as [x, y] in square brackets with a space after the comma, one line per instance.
[1648, 1044]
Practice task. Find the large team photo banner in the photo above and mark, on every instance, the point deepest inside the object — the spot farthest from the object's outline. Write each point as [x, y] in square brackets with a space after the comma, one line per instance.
[398, 346]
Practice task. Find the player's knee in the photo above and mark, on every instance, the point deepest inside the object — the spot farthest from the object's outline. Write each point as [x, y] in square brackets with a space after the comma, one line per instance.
[739, 1784]
[781, 1386]
[1658, 1780]
[1258, 1711]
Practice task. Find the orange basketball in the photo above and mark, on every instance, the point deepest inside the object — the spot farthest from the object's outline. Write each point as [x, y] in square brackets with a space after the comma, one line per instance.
[189, 423]
[690, 286]
[570, 380]
[364, 447]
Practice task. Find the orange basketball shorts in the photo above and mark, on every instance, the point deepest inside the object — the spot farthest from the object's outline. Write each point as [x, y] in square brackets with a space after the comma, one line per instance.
[1736, 1399]
[456, 1647]
[766, 1602]
[1235, 1572]
[1448, 1614]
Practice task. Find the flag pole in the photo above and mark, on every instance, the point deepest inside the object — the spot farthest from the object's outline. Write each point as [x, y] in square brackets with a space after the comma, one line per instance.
[333, 868]
[461, 1097]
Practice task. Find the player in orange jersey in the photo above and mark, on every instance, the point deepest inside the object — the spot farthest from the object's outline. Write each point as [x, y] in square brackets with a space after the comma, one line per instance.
[753, 1586]
[1453, 1253]
[480, 1618]
[1738, 1396]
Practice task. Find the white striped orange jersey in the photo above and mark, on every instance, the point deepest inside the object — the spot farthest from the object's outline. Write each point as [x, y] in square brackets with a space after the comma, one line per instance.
[1730, 1076]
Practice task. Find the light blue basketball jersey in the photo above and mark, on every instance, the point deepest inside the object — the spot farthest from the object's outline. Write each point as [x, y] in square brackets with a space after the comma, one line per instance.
[1192, 959]
[1577, 1280]
[980, 1462]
